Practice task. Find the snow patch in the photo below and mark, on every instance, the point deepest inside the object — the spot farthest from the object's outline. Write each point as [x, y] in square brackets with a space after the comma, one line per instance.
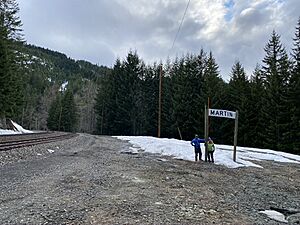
[63, 87]
[17, 130]
[20, 128]
[223, 155]
[50, 150]
[275, 215]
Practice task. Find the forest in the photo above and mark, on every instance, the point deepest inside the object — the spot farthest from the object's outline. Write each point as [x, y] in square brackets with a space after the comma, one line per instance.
[123, 100]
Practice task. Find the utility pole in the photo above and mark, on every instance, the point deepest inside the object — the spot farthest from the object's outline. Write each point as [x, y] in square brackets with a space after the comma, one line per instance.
[159, 101]
[206, 131]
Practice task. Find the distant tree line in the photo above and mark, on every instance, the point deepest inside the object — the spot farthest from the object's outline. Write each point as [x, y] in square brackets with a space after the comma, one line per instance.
[268, 101]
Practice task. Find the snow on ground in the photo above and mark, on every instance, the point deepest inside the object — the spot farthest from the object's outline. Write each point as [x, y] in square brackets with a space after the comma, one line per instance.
[20, 130]
[223, 154]
[275, 215]
[63, 87]
[5, 132]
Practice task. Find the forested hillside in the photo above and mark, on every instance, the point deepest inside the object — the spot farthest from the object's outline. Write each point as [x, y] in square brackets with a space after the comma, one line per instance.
[31, 81]
[44, 71]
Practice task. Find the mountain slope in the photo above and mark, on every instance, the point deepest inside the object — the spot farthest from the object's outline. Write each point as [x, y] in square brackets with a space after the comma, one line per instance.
[44, 71]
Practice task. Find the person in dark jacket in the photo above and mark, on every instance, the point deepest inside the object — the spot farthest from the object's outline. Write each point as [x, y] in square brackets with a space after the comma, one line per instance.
[196, 143]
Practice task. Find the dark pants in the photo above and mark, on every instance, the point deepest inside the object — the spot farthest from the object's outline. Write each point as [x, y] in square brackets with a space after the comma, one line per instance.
[210, 156]
[198, 152]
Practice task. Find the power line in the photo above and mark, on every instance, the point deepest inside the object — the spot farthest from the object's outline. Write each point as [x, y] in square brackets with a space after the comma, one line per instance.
[187, 6]
[160, 75]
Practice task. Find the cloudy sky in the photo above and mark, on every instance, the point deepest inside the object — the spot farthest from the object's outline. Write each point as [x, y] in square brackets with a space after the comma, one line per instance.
[99, 31]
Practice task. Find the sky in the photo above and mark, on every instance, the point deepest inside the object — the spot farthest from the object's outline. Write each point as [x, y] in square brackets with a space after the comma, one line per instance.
[100, 31]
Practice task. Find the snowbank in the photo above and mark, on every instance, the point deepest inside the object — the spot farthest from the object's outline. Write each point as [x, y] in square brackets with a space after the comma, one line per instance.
[18, 130]
[223, 153]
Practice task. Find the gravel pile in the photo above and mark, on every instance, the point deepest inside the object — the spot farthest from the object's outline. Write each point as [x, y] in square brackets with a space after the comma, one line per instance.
[94, 180]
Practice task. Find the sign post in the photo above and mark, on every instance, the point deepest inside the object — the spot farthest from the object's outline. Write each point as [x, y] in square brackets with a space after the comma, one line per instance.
[206, 131]
[225, 114]
[235, 135]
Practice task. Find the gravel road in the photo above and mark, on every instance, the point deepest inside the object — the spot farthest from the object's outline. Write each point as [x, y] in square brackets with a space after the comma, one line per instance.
[88, 180]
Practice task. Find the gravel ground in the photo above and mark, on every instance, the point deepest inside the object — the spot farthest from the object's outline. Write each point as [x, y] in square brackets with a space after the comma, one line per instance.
[88, 180]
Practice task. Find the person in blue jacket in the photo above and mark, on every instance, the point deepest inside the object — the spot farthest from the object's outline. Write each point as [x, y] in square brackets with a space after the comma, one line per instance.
[196, 143]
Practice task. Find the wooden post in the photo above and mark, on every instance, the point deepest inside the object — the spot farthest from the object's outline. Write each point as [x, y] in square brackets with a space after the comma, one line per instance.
[208, 106]
[102, 119]
[179, 133]
[206, 131]
[59, 119]
[159, 101]
[235, 135]
[206, 138]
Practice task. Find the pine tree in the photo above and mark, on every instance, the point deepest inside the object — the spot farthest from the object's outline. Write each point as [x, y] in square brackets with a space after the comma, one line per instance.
[294, 95]
[187, 79]
[276, 74]
[134, 73]
[255, 105]
[54, 114]
[107, 100]
[10, 83]
[68, 113]
[149, 108]
[214, 90]
[238, 100]
[119, 101]
[168, 125]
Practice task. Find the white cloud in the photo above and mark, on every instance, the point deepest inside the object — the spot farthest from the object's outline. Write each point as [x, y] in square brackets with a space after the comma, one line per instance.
[100, 31]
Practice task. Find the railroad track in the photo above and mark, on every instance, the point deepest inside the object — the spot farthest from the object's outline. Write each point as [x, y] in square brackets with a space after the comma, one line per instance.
[8, 142]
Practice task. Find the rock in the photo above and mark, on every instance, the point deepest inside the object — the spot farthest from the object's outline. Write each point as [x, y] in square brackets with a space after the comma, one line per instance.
[294, 219]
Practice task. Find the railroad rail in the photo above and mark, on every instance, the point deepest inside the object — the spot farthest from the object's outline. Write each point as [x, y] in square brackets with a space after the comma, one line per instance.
[8, 142]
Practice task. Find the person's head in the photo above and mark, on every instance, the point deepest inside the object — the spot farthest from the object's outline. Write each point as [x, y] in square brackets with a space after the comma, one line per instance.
[196, 135]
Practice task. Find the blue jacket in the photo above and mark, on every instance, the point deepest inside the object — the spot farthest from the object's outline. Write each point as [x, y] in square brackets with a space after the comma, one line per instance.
[196, 142]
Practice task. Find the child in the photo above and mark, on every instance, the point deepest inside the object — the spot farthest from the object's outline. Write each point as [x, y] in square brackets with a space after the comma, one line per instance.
[211, 149]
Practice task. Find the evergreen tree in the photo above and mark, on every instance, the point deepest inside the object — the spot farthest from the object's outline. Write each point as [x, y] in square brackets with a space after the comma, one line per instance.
[134, 73]
[107, 99]
[187, 76]
[214, 90]
[149, 110]
[68, 113]
[168, 125]
[10, 84]
[127, 95]
[119, 109]
[54, 114]
[276, 74]
[239, 90]
[255, 105]
[294, 95]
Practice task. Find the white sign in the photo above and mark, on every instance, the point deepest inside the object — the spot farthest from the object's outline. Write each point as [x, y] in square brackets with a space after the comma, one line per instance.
[221, 113]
